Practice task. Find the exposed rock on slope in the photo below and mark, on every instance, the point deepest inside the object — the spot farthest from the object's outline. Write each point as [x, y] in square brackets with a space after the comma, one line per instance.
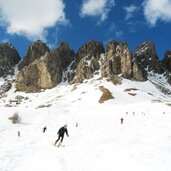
[107, 95]
[9, 57]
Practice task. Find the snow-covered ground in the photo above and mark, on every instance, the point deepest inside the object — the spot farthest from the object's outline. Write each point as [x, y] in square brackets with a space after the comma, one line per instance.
[100, 142]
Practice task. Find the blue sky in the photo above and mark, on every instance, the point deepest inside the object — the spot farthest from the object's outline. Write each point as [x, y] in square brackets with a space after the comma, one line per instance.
[79, 21]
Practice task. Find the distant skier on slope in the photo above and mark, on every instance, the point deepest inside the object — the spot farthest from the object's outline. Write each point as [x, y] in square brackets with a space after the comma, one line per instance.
[61, 133]
[44, 129]
[121, 120]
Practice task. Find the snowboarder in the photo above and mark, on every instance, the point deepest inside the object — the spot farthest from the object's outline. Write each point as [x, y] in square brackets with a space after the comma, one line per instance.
[44, 129]
[61, 133]
[76, 124]
[122, 120]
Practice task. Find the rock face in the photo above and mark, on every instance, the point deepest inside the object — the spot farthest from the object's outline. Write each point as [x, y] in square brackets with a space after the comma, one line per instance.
[35, 51]
[44, 72]
[43, 69]
[92, 48]
[138, 73]
[167, 60]
[9, 57]
[67, 55]
[147, 57]
[117, 60]
[87, 61]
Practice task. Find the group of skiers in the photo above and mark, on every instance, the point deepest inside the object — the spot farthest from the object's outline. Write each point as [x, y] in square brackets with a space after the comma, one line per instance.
[61, 132]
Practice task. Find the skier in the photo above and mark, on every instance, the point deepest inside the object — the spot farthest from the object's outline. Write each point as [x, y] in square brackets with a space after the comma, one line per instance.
[121, 120]
[18, 133]
[61, 133]
[44, 129]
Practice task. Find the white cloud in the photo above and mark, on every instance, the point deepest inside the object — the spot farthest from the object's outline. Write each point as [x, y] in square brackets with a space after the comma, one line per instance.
[130, 10]
[31, 18]
[95, 8]
[155, 10]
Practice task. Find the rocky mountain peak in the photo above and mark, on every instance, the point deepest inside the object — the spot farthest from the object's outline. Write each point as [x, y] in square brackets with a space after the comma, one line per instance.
[87, 61]
[147, 56]
[44, 71]
[92, 48]
[35, 51]
[117, 60]
[64, 46]
[66, 53]
[42, 68]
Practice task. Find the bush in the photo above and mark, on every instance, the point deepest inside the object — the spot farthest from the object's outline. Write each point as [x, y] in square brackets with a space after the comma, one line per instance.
[15, 118]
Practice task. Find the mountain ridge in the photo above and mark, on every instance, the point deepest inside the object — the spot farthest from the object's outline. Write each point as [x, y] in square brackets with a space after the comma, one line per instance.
[42, 68]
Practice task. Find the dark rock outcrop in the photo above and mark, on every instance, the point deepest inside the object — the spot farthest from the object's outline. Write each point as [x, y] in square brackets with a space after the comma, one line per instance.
[35, 51]
[167, 60]
[147, 57]
[67, 55]
[9, 57]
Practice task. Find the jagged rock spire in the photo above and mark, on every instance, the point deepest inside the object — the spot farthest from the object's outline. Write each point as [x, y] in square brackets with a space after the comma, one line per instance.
[35, 51]
[117, 60]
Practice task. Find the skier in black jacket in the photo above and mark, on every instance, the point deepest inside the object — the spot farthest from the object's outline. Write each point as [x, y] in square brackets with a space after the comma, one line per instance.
[61, 133]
